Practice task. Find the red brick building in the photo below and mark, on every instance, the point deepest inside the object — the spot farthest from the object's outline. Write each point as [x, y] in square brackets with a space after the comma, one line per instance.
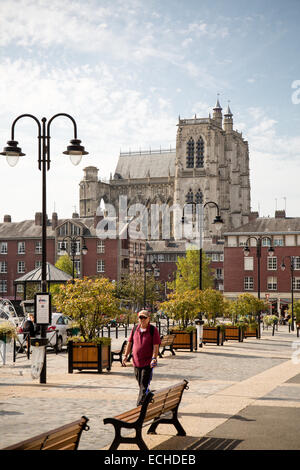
[21, 249]
[241, 272]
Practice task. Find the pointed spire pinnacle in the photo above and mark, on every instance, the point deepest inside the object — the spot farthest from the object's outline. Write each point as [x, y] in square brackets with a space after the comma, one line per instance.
[218, 106]
[228, 112]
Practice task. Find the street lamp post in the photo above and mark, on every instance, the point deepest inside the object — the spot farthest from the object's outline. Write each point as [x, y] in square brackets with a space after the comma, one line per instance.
[13, 153]
[292, 267]
[73, 250]
[218, 224]
[258, 240]
[146, 270]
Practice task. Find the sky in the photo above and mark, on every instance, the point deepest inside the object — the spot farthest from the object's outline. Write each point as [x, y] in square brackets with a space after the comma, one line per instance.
[125, 71]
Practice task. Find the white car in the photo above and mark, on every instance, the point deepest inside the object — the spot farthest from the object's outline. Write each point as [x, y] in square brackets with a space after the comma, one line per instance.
[56, 332]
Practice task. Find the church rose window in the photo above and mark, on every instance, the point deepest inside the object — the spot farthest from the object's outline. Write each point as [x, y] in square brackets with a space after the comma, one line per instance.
[190, 154]
[200, 153]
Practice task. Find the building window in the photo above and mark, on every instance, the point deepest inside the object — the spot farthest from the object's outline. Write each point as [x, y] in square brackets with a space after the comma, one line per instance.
[248, 283]
[63, 230]
[219, 273]
[221, 257]
[21, 248]
[296, 283]
[272, 263]
[296, 262]
[190, 153]
[3, 267]
[38, 264]
[189, 197]
[278, 241]
[215, 257]
[75, 230]
[266, 242]
[161, 258]
[100, 246]
[248, 263]
[21, 267]
[272, 283]
[200, 153]
[199, 197]
[60, 246]
[20, 288]
[38, 247]
[100, 266]
[77, 266]
[3, 248]
[3, 286]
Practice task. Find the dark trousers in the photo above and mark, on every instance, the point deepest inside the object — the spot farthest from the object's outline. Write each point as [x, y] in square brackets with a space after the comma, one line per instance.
[143, 375]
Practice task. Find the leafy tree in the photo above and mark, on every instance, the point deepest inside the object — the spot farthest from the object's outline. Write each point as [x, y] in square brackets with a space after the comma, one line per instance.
[247, 305]
[213, 304]
[131, 288]
[296, 310]
[90, 302]
[187, 274]
[65, 263]
[182, 305]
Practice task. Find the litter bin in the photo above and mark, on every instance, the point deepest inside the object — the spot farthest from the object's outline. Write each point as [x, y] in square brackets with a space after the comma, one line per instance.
[199, 326]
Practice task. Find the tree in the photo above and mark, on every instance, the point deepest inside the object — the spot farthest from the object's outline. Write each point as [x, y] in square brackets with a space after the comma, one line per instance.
[90, 302]
[132, 288]
[296, 310]
[247, 305]
[182, 305]
[187, 274]
[65, 263]
[213, 304]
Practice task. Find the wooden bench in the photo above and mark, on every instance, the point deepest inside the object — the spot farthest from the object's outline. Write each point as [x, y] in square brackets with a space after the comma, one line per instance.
[155, 407]
[117, 355]
[167, 344]
[63, 438]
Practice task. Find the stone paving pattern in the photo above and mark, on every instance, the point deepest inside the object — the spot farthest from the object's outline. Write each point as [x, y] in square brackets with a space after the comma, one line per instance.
[223, 381]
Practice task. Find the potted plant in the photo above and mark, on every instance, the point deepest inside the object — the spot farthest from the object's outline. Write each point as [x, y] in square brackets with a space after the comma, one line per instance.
[89, 302]
[249, 307]
[183, 306]
[8, 331]
[213, 305]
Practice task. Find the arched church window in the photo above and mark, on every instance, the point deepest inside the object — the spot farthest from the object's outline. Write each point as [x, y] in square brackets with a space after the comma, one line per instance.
[189, 197]
[199, 197]
[190, 153]
[200, 153]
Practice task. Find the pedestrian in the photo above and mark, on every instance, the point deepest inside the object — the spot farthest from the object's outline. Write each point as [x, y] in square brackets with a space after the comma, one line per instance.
[29, 326]
[143, 342]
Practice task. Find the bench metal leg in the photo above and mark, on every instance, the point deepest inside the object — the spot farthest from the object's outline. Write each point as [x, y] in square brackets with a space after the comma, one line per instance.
[173, 420]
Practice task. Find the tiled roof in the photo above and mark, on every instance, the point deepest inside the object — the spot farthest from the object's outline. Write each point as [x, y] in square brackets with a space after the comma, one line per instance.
[271, 225]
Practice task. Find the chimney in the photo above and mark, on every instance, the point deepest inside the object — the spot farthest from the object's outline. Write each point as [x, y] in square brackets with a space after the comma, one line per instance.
[54, 220]
[38, 218]
[75, 215]
[253, 216]
[280, 214]
[7, 218]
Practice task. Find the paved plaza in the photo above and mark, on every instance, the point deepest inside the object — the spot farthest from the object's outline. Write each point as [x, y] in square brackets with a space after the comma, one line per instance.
[241, 396]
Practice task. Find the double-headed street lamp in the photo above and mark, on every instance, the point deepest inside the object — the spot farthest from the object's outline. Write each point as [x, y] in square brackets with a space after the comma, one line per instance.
[73, 249]
[258, 240]
[13, 153]
[217, 223]
[292, 267]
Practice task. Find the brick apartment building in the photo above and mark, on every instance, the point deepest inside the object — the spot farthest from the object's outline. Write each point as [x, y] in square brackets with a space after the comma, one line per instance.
[240, 272]
[21, 249]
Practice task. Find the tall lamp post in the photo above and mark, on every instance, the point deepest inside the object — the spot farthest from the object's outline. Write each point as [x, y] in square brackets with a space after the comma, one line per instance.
[292, 267]
[73, 249]
[148, 269]
[258, 240]
[217, 223]
[13, 153]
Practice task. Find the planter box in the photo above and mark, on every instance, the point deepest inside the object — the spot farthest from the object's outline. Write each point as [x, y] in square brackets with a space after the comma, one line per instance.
[235, 333]
[89, 356]
[184, 340]
[213, 335]
[251, 332]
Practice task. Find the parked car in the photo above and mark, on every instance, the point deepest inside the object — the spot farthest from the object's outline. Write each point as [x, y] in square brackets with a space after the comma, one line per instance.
[57, 332]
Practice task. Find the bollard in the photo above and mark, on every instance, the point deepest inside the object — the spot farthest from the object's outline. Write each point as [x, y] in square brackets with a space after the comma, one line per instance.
[125, 331]
[117, 331]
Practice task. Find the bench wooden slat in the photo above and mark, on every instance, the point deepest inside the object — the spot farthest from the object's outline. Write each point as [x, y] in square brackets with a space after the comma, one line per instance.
[62, 438]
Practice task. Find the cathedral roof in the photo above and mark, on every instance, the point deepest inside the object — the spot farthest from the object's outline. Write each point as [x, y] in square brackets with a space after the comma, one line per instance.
[154, 164]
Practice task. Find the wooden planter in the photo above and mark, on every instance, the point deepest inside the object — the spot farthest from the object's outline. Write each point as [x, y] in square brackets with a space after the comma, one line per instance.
[251, 332]
[185, 340]
[213, 335]
[234, 333]
[89, 356]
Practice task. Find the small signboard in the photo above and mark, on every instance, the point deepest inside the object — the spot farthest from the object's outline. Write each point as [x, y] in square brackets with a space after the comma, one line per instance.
[42, 308]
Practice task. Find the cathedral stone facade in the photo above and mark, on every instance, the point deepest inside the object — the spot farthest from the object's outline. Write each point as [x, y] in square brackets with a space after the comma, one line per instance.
[210, 163]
